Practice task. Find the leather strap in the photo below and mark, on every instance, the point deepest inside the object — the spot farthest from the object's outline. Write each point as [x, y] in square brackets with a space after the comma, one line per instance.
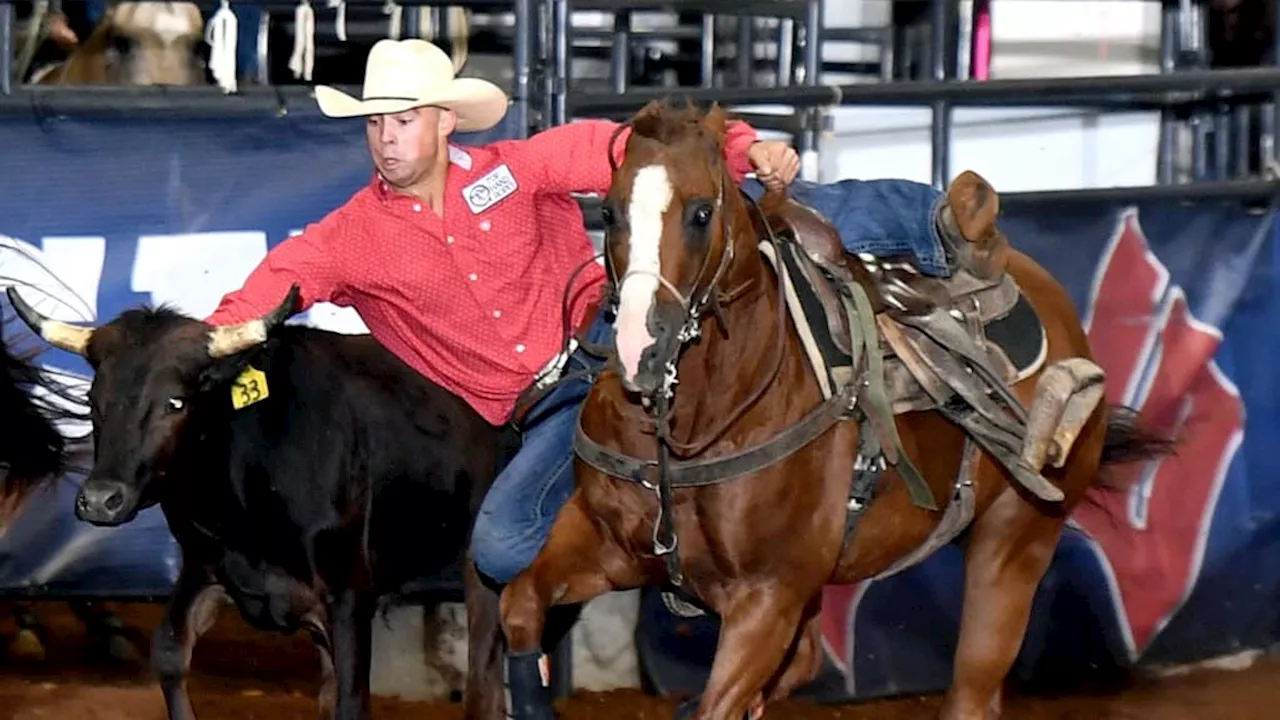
[715, 470]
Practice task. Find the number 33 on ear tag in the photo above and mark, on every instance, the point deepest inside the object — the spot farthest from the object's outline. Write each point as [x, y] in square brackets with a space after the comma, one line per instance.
[250, 387]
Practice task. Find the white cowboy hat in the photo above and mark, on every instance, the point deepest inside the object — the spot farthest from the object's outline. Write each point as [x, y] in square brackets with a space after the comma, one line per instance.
[405, 74]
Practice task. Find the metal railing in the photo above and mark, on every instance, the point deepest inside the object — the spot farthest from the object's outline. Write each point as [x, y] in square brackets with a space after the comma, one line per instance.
[1213, 105]
[212, 99]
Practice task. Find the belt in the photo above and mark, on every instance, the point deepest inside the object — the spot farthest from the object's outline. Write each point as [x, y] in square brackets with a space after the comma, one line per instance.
[550, 374]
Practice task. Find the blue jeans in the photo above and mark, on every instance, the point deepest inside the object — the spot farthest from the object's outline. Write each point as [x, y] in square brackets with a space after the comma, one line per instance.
[878, 217]
[517, 512]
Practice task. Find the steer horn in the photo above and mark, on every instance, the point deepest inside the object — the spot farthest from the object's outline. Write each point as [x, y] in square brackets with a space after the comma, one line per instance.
[229, 340]
[66, 336]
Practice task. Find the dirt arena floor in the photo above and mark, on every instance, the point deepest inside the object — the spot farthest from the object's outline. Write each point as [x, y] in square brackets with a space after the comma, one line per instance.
[240, 674]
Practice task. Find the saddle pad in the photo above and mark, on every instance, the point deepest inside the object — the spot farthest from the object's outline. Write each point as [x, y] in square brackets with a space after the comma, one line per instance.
[1018, 334]
[831, 366]
[1021, 337]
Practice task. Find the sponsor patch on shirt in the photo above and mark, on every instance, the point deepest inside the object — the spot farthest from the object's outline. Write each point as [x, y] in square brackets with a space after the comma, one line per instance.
[490, 189]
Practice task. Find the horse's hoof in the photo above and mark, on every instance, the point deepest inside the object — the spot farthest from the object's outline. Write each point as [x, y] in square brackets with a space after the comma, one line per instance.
[27, 646]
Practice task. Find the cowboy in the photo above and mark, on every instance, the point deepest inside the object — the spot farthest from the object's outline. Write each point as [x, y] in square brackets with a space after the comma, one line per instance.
[458, 261]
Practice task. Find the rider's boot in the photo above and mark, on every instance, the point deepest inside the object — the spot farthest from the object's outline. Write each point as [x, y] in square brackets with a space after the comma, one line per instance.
[966, 222]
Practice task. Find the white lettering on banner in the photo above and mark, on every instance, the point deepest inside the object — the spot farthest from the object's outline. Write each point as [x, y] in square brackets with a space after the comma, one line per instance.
[78, 261]
[192, 271]
[60, 281]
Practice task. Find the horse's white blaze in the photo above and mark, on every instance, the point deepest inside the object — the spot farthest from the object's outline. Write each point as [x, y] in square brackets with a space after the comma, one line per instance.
[650, 197]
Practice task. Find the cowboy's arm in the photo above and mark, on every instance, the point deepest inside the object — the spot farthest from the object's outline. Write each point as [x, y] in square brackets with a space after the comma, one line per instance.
[303, 260]
[575, 157]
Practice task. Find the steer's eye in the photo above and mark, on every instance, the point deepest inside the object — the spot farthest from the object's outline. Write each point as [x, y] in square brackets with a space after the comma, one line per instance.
[176, 404]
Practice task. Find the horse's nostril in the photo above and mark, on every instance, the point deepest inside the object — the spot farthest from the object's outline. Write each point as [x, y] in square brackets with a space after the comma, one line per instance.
[114, 501]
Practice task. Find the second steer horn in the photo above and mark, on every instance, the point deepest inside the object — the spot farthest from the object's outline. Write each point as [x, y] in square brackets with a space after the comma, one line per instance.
[231, 339]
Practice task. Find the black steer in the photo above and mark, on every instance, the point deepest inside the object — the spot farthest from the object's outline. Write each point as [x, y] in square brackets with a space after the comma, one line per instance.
[305, 474]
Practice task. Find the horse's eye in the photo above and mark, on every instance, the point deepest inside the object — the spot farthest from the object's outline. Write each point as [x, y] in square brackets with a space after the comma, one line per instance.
[176, 404]
[702, 216]
[606, 215]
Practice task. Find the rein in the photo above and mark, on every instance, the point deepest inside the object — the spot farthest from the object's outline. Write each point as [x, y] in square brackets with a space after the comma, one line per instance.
[665, 540]
[701, 472]
[709, 471]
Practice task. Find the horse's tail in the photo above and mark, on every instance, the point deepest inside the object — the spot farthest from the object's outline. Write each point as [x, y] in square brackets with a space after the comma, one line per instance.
[33, 452]
[1128, 441]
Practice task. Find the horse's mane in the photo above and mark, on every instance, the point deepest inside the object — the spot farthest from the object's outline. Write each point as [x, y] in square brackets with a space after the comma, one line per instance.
[667, 124]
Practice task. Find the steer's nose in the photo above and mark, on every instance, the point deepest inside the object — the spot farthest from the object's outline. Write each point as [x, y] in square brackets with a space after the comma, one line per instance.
[102, 502]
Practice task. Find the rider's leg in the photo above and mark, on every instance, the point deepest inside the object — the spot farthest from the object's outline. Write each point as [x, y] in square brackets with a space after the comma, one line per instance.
[877, 217]
[517, 512]
[944, 232]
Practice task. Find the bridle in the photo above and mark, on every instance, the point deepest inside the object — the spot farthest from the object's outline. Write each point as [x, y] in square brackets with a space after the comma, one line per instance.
[662, 475]
[695, 304]
[658, 405]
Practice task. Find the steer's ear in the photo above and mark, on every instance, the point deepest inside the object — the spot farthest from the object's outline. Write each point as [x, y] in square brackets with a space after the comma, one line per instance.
[218, 374]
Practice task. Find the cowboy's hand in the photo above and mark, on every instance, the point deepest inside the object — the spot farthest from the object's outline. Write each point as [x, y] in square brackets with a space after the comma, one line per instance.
[776, 163]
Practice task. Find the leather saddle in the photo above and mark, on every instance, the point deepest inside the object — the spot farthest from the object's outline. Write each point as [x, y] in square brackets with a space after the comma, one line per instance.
[899, 292]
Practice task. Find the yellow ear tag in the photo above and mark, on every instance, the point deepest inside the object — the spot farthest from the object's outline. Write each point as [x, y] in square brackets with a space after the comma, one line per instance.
[250, 387]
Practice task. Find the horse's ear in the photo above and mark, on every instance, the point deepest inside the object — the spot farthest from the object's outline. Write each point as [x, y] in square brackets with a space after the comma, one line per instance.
[653, 107]
[647, 120]
[714, 121]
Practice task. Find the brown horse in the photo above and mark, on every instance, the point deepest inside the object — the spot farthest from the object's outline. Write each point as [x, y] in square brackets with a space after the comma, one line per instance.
[137, 43]
[782, 451]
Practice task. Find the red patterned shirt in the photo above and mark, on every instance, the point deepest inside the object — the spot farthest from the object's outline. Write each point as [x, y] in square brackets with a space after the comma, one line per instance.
[472, 300]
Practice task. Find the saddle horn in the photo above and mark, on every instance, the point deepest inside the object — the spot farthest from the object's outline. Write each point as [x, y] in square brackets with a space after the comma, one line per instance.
[231, 339]
[65, 336]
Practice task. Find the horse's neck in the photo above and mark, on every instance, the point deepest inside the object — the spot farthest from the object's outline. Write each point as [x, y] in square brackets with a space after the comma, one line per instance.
[721, 372]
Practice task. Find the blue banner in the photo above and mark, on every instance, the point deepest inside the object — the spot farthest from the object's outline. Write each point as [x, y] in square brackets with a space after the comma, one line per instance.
[99, 214]
[1180, 301]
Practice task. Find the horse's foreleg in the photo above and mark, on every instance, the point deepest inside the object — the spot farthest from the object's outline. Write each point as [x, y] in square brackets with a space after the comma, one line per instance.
[757, 631]
[190, 612]
[575, 565]
[1008, 552]
[804, 660]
